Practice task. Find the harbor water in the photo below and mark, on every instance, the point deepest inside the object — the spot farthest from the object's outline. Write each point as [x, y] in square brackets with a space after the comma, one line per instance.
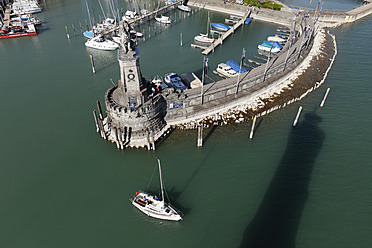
[62, 185]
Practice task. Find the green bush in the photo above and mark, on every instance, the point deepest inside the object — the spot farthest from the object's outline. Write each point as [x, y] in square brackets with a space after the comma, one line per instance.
[266, 4]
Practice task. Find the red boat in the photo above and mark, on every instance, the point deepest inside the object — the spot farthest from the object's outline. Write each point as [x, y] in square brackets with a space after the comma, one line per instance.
[17, 31]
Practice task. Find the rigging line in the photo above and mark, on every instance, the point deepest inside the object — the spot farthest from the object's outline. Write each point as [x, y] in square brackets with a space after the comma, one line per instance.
[148, 185]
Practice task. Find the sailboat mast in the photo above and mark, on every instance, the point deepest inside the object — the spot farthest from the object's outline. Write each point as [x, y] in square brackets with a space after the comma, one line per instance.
[161, 182]
[90, 21]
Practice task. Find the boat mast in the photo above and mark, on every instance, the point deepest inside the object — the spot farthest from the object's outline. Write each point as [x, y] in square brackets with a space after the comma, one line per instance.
[90, 21]
[161, 184]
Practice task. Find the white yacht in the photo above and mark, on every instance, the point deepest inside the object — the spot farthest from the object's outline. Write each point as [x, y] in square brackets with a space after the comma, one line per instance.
[276, 38]
[100, 43]
[204, 38]
[184, 8]
[153, 206]
[163, 19]
[225, 71]
[174, 81]
[130, 15]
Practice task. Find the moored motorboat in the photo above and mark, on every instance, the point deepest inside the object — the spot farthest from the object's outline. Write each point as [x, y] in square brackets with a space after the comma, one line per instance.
[220, 26]
[236, 66]
[276, 38]
[174, 81]
[270, 46]
[184, 8]
[159, 83]
[100, 43]
[16, 30]
[130, 15]
[225, 71]
[163, 19]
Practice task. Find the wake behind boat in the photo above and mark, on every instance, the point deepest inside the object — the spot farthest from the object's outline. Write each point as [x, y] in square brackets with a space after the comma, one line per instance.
[153, 206]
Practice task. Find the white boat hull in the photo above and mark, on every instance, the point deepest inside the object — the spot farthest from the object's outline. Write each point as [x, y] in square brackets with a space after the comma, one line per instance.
[203, 38]
[105, 45]
[155, 208]
[163, 19]
[268, 49]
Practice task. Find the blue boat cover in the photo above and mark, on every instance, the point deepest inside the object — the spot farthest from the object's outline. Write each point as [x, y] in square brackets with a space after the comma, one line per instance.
[88, 34]
[275, 43]
[235, 66]
[248, 20]
[220, 26]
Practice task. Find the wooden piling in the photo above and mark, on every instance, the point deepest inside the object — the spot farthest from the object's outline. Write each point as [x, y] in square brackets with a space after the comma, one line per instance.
[73, 29]
[116, 138]
[200, 136]
[92, 62]
[297, 116]
[252, 129]
[99, 110]
[68, 36]
[95, 120]
[324, 98]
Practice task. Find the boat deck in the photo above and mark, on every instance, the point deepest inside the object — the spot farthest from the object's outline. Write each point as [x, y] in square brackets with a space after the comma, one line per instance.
[225, 35]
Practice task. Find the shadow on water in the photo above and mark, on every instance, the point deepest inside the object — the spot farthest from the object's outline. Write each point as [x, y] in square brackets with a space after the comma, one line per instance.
[209, 134]
[277, 219]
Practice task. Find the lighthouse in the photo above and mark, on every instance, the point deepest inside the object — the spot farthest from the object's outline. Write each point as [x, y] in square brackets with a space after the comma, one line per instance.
[135, 113]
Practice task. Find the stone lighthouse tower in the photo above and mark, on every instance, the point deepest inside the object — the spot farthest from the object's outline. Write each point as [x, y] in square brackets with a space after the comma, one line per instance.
[135, 115]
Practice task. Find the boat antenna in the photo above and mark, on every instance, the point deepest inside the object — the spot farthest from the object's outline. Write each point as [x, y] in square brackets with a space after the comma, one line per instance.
[161, 184]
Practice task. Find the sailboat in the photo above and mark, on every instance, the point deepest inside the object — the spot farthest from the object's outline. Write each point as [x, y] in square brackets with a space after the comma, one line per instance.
[204, 37]
[153, 206]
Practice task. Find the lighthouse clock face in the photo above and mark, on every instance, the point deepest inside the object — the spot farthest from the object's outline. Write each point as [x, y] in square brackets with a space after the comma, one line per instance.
[131, 76]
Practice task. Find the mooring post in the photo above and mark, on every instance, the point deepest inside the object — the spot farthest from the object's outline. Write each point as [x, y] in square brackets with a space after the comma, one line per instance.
[68, 36]
[200, 136]
[297, 116]
[92, 63]
[73, 29]
[102, 129]
[117, 138]
[181, 38]
[252, 129]
[324, 98]
[95, 120]
[153, 140]
[99, 110]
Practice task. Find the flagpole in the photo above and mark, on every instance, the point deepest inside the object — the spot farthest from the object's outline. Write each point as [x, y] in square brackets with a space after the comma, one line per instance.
[268, 59]
[240, 69]
[203, 75]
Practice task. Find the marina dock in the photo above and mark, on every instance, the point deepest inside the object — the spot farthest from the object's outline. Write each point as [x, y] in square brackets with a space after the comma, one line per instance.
[226, 34]
[143, 17]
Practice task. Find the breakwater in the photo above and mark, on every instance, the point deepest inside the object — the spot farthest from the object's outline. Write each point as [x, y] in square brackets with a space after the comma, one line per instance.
[263, 97]
[297, 70]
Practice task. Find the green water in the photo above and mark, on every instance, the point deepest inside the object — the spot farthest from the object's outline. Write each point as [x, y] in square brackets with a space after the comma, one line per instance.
[61, 185]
